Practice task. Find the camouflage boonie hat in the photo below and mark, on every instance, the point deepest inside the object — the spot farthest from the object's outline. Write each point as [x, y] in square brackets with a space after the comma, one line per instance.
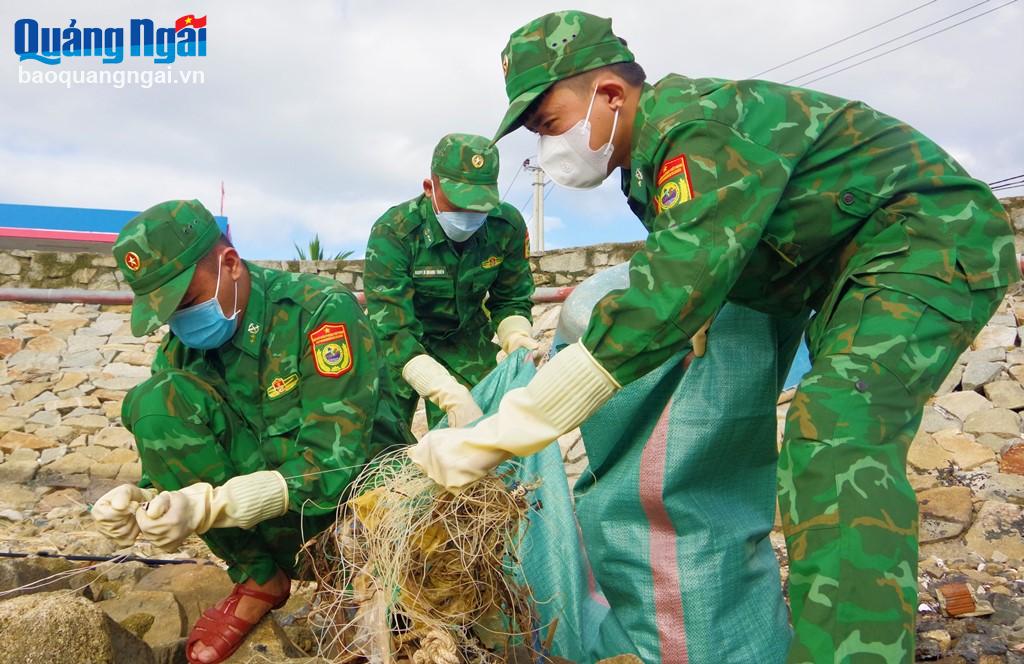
[550, 48]
[466, 167]
[157, 252]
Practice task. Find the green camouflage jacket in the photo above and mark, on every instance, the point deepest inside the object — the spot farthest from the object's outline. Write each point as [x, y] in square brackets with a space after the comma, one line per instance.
[771, 196]
[305, 372]
[419, 289]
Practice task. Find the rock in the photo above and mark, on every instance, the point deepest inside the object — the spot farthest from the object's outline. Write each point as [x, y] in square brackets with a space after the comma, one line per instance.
[122, 370]
[973, 647]
[999, 421]
[69, 380]
[59, 498]
[105, 470]
[11, 423]
[168, 624]
[13, 440]
[16, 497]
[119, 456]
[21, 572]
[55, 627]
[935, 420]
[55, 479]
[70, 464]
[81, 359]
[52, 454]
[1012, 461]
[29, 391]
[977, 374]
[88, 423]
[995, 336]
[921, 482]
[952, 380]
[17, 472]
[984, 355]
[81, 342]
[9, 346]
[46, 344]
[267, 641]
[65, 406]
[997, 527]
[951, 503]
[114, 437]
[12, 515]
[46, 418]
[119, 384]
[962, 448]
[925, 454]
[963, 404]
[196, 587]
[1005, 394]
[994, 442]
[130, 472]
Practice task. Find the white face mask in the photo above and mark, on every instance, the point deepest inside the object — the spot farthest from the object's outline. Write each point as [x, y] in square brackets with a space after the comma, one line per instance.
[568, 159]
[459, 226]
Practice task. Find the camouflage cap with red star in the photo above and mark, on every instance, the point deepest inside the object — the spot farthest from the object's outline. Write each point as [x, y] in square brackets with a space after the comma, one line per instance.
[157, 252]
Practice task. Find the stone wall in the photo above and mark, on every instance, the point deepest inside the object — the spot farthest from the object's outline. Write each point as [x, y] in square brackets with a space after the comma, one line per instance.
[37, 269]
[560, 267]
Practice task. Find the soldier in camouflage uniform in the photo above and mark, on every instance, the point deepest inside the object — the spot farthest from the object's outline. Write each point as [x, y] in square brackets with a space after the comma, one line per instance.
[781, 199]
[431, 263]
[252, 424]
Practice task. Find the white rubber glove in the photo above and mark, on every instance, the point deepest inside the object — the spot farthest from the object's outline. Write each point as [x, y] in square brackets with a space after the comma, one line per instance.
[241, 502]
[565, 392]
[114, 512]
[516, 332]
[433, 382]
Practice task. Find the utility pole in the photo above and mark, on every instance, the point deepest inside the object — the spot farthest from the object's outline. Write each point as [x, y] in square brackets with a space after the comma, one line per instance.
[538, 205]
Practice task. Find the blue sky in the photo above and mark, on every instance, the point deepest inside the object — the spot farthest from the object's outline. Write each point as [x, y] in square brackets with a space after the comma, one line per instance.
[320, 115]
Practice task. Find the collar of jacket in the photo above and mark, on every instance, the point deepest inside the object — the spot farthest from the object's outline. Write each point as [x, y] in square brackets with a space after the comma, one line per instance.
[637, 179]
[249, 335]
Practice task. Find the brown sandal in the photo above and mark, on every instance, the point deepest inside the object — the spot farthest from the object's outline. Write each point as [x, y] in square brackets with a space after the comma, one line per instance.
[219, 628]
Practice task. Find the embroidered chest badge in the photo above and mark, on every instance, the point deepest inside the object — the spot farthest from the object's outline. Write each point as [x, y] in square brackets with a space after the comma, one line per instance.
[673, 184]
[332, 353]
[281, 386]
[492, 262]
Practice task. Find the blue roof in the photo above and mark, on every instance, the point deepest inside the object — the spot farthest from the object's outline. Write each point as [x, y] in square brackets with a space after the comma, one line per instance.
[71, 219]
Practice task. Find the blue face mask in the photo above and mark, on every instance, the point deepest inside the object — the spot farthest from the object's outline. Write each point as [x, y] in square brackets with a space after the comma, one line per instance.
[459, 226]
[204, 326]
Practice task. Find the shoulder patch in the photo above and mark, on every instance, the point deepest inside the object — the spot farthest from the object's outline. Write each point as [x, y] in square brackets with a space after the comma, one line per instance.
[673, 183]
[332, 352]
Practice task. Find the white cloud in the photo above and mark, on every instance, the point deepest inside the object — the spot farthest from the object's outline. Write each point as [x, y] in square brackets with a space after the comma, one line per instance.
[320, 115]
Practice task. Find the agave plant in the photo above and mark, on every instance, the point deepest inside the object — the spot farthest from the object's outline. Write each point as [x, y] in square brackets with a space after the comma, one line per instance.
[316, 252]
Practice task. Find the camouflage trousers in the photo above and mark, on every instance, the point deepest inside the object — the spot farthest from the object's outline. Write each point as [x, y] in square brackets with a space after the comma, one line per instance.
[849, 514]
[468, 356]
[187, 433]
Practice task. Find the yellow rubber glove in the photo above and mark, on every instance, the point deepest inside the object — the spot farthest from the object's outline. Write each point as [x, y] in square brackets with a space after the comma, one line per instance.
[515, 332]
[114, 512]
[433, 382]
[241, 502]
[565, 392]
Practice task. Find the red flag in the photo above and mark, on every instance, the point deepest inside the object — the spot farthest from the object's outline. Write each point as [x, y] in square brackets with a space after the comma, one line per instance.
[189, 21]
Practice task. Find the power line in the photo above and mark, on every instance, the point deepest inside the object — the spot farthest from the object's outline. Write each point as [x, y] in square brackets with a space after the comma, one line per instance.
[514, 178]
[888, 41]
[844, 39]
[1015, 177]
[902, 46]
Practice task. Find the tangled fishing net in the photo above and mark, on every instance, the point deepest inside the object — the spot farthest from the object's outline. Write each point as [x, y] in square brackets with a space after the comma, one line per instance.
[412, 573]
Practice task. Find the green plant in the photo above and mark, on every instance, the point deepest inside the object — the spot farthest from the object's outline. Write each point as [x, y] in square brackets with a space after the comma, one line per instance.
[316, 252]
